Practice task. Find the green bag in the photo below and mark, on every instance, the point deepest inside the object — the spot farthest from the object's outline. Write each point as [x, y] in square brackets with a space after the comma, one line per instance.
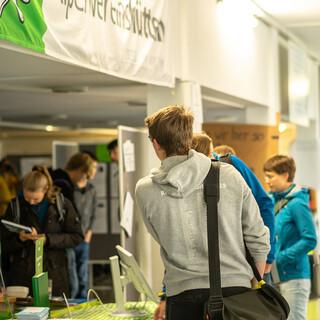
[264, 303]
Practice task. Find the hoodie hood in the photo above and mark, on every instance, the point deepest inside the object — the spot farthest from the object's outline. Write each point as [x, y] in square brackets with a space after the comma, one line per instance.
[178, 176]
[295, 191]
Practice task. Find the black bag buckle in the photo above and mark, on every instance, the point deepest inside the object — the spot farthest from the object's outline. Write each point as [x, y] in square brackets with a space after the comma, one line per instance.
[215, 307]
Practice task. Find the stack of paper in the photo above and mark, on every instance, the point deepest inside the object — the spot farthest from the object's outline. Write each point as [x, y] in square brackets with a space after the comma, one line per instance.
[33, 313]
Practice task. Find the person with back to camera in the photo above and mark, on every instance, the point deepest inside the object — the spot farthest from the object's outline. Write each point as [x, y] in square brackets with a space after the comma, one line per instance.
[172, 204]
[202, 143]
[38, 210]
[295, 233]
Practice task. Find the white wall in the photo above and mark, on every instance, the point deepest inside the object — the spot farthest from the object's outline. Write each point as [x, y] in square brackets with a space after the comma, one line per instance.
[221, 51]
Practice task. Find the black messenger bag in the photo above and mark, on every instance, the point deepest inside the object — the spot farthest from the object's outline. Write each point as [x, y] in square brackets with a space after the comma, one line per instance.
[263, 303]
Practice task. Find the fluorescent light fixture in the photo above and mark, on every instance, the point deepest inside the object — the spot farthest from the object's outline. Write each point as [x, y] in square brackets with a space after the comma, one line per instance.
[237, 14]
[30, 126]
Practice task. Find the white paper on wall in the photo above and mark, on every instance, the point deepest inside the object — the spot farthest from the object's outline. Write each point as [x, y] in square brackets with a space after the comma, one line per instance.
[127, 218]
[128, 155]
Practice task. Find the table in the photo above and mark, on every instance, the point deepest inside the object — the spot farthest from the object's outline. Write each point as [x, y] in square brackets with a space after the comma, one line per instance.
[96, 311]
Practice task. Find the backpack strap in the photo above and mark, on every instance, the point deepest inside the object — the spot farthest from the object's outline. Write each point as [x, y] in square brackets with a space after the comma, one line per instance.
[60, 206]
[15, 207]
[280, 204]
[226, 158]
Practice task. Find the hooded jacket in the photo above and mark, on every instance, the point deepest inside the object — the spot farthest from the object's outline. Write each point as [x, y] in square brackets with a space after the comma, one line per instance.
[86, 202]
[295, 234]
[172, 204]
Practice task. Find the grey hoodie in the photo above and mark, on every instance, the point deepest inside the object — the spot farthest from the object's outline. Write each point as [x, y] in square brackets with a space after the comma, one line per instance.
[172, 204]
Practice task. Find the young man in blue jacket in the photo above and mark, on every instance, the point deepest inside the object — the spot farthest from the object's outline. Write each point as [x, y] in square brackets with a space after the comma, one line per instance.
[263, 200]
[295, 233]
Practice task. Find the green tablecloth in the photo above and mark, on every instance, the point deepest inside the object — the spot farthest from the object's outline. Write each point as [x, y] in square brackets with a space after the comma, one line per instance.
[96, 311]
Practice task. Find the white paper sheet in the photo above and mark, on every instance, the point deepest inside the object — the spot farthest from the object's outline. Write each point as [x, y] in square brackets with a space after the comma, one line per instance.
[127, 218]
[128, 155]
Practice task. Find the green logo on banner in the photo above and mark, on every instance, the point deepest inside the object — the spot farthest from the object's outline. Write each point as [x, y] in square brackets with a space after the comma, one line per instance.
[22, 22]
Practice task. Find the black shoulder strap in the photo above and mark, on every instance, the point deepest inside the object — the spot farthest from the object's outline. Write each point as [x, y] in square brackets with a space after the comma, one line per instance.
[212, 195]
[60, 206]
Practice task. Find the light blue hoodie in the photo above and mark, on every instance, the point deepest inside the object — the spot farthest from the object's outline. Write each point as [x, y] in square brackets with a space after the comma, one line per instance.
[172, 204]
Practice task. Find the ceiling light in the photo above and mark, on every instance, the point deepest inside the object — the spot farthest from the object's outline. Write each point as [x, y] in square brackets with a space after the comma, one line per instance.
[282, 127]
[49, 128]
[30, 126]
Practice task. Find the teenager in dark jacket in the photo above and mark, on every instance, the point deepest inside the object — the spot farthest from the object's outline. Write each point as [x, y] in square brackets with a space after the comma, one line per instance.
[38, 210]
[73, 183]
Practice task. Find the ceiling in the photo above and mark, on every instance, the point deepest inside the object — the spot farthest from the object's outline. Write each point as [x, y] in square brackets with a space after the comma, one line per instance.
[301, 17]
[38, 90]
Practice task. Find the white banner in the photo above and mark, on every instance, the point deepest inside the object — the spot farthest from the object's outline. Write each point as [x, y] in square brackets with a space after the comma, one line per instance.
[299, 85]
[125, 38]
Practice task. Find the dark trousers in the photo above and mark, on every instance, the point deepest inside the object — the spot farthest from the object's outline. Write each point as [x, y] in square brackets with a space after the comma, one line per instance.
[190, 304]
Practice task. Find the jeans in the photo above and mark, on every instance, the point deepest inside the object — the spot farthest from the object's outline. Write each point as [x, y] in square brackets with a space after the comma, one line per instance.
[72, 273]
[297, 293]
[82, 257]
[190, 304]
[267, 278]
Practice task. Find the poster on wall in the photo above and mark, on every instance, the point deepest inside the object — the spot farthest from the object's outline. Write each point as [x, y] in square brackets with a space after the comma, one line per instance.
[125, 38]
[299, 85]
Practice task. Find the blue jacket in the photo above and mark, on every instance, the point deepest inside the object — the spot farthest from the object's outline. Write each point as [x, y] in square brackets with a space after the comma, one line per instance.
[295, 233]
[263, 200]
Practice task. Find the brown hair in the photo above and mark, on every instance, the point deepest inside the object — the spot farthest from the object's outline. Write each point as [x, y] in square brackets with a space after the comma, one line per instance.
[281, 164]
[172, 128]
[223, 150]
[81, 161]
[39, 179]
[201, 142]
